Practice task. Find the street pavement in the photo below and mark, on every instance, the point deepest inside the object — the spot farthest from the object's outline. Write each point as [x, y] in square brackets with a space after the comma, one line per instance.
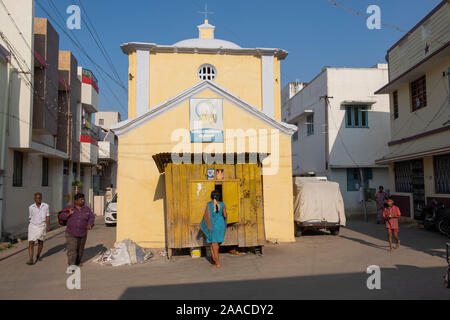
[317, 266]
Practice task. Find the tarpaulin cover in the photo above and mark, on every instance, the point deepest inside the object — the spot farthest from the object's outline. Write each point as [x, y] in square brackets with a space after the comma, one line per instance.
[316, 200]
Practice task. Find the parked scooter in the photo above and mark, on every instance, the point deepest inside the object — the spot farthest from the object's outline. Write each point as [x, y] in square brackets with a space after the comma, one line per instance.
[432, 214]
[443, 224]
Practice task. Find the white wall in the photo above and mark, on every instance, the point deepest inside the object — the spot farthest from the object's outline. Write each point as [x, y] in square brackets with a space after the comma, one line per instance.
[351, 198]
[21, 95]
[308, 153]
[18, 199]
[365, 145]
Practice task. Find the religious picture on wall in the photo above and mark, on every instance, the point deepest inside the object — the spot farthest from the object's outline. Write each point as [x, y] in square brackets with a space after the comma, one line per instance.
[220, 174]
[206, 116]
[210, 174]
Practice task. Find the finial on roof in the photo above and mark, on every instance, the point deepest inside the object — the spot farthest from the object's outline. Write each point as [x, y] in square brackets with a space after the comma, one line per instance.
[206, 30]
[206, 13]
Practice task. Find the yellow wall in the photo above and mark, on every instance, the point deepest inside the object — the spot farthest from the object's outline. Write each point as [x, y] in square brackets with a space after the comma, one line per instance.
[142, 188]
[172, 73]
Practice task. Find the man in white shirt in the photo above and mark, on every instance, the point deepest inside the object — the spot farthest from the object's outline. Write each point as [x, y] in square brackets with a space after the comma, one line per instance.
[39, 224]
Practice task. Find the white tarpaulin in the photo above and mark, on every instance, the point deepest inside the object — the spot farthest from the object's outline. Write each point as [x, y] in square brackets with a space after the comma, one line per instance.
[316, 200]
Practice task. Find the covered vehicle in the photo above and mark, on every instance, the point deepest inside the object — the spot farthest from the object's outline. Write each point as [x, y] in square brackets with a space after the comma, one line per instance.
[318, 205]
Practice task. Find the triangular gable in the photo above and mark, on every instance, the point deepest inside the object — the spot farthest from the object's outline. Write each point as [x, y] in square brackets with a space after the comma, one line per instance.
[131, 124]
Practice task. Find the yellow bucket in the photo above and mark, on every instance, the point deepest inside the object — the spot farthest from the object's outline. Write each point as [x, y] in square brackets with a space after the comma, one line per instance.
[196, 253]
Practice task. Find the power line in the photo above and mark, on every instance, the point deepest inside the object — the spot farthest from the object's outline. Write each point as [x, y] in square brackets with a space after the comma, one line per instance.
[81, 50]
[99, 43]
[78, 45]
[364, 15]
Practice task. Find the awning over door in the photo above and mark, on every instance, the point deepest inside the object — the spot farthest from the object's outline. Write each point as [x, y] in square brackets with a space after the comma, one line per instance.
[163, 159]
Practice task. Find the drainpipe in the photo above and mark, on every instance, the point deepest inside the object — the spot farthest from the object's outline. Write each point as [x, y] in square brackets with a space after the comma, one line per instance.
[4, 114]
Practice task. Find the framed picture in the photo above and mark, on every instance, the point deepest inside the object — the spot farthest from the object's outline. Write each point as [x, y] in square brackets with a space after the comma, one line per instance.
[210, 174]
[206, 118]
[220, 174]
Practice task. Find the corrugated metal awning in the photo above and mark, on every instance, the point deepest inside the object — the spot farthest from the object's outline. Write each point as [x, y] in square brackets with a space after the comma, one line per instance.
[163, 159]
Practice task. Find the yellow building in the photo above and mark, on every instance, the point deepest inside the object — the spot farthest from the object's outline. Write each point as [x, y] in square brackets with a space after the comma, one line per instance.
[205, 114]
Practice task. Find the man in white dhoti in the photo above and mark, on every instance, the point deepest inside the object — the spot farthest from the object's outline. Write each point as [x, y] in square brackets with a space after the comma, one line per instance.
[39, 225]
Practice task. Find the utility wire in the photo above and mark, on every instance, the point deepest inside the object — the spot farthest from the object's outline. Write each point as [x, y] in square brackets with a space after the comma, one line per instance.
[80, 49]
[364, 15]
[78, 45]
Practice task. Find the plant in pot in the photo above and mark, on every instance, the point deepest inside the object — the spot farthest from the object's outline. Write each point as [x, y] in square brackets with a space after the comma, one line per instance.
[77, 187]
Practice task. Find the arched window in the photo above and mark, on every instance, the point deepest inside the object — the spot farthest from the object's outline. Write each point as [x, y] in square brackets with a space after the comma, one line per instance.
[207, 72]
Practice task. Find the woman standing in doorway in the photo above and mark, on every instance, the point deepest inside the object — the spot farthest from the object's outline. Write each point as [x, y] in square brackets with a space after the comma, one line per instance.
[214, 225]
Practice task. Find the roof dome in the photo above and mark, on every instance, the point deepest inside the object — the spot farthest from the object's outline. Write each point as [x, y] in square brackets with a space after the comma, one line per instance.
[206, 39]
[206, 43]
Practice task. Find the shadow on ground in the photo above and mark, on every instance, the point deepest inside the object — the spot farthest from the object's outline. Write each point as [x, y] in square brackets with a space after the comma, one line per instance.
[432, 243]
[395, 284]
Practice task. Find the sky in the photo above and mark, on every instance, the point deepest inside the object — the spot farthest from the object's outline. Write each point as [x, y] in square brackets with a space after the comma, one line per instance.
[314, 32]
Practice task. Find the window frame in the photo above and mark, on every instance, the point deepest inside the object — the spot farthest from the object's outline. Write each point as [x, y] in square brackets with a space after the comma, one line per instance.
[363, 116]
[204, 75]
[18, 169]
[45, 172]
[364, 182]
[310, 125]
[395, 105]
[416, 94]
[437, 182]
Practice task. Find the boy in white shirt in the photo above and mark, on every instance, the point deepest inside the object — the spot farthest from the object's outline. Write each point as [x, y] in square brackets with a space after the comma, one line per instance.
[39, 224]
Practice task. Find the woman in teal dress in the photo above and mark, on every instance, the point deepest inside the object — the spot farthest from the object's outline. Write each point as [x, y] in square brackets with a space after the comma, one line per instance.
[214, 225]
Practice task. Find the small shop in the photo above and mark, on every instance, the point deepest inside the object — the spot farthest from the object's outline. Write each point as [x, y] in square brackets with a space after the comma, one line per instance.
[240, 186]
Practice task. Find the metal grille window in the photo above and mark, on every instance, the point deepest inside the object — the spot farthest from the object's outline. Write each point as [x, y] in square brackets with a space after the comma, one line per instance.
[45, 162]
[395, 103]
[207, 72]
[310, 124]
[419, 94]
[18, 169]
[442, 174]
[403, 177]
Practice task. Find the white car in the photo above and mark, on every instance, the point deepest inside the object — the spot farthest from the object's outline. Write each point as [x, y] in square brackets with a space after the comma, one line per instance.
[111, 212]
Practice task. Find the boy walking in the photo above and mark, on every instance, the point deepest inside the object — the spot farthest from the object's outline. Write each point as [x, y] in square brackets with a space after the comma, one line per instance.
[391, 215]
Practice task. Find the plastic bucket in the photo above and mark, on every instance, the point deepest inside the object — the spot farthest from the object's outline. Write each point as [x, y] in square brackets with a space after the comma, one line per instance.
[196, 253]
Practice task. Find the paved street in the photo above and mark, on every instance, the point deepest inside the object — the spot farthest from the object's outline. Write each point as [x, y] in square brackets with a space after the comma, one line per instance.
[317, 266]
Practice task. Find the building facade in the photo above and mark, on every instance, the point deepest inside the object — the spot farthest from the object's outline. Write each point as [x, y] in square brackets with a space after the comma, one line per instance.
[419, 147]
[198, 97]
[343, 129]
[42, 143]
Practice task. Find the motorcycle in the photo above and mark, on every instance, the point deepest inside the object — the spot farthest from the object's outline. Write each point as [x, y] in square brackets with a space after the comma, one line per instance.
[443, 224]
[436, 217]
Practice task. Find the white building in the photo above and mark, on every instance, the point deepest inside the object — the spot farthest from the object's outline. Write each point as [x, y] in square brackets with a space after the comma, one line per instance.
[46, 103]
[343, 129]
